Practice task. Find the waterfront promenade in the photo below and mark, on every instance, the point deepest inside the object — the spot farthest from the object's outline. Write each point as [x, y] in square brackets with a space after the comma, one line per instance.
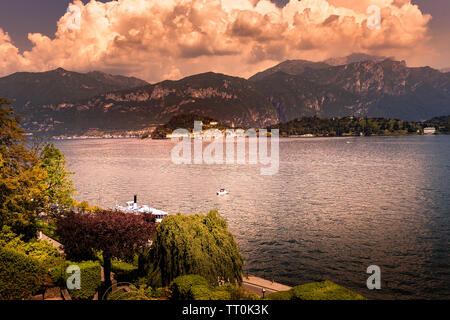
[257, 285]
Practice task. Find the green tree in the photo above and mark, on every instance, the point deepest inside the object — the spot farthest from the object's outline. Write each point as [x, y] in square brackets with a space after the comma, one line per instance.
[59, 185]
[195, 244]
[22, 180]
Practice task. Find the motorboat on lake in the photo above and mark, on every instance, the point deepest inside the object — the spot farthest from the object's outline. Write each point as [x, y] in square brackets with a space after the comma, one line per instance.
[133, 207]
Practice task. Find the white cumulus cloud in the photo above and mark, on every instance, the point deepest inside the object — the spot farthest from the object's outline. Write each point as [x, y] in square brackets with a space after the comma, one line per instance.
[170, 39]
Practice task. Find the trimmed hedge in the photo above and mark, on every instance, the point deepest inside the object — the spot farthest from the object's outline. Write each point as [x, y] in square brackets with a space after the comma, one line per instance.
[20, 275]
[58, 274]
[181, 287]
[124, 272]
[325, 290]
[90, 278]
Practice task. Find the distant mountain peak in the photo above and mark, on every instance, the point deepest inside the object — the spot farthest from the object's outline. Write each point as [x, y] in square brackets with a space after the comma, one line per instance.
[355, 57]
[291, 67]
[59, 71]
[60, 86]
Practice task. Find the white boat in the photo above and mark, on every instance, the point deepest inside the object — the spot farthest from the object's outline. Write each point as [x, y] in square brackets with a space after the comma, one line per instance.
[222, 192]
[133, 207]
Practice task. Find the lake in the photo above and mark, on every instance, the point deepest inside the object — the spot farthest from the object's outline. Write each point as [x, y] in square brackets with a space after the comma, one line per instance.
[336, 206]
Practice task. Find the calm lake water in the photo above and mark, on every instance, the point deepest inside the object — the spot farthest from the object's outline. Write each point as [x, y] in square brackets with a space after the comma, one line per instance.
[337, 205]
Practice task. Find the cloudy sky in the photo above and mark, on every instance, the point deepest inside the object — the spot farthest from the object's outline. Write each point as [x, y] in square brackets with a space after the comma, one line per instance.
[170, 39]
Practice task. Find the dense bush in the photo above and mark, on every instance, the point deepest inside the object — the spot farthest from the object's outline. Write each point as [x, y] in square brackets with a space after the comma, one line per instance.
[20, 274]
[218, 295]
[200, 292]
[230, 291]
[41, 251]
[280, 295]
[195, 287]
[181, 287]
[325, 290]
[157, 293]
[225, 292]
[58, 275]
[124, 272]
[90, 278]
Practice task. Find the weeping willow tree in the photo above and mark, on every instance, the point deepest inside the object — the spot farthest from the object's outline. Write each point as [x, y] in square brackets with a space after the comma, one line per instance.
[195, 244]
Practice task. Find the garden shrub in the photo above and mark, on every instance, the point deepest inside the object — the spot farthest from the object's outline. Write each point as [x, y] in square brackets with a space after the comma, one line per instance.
[219, 295]
[42, 251]
[58, 274]
[238, 292]
[200, 292]
[90, 279]
[157, 293]
[280, 295]
[325, 290]
[181, 287]
[230, 291]
[124, 272]
[195, 287]
[20, 275]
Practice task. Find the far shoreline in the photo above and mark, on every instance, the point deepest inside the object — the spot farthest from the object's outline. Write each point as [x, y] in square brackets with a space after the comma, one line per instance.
[84, 138]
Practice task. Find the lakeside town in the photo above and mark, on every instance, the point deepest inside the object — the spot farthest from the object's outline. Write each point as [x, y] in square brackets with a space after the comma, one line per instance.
[293, 129]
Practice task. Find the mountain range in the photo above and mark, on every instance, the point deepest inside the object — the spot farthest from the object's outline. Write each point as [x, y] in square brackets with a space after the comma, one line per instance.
[61, 102]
